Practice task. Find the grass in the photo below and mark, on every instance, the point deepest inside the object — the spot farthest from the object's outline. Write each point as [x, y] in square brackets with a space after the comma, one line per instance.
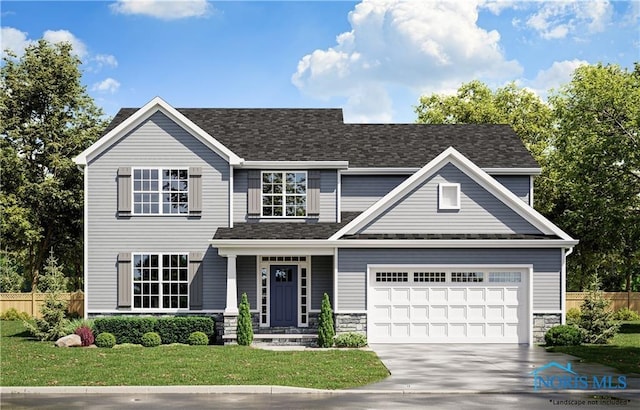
[622, 352]
[26, 362]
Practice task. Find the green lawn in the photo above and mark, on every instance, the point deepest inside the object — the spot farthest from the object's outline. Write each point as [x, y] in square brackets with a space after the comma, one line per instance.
[26, 362]
[622, 352]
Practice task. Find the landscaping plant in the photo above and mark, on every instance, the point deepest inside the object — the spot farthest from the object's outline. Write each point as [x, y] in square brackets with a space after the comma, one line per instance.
[596, 320]
[326, 331]
[105, 339]
[198, 339]
[351, 339]
[245, 326]
[53, 323]
[14, 314]
[573, 316]
[626, 314]
[86, 335]
[151, 339]
[563, 335]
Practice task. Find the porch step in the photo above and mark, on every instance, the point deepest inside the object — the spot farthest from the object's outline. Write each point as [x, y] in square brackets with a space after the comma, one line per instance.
[294, 339]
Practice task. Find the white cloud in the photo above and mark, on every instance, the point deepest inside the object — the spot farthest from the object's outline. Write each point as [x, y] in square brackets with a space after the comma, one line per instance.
[60, 36]
[108, 85]
[421, 46]
[163, 9]
[13, 40]
[558, 74]
[557, 19]
[106, 60]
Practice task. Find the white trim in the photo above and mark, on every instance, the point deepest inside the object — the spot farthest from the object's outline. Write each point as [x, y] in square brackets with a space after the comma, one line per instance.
[338, 196]
[450, 155]
[284, 194]
[441, 194]
[335, 280]
[409, 171]
[546, 312]
[513, 171]
[296, 165]
[85, 245]
[231, 192]
[157, 104]
[160, 282]
[531, 177]
[563, 285]
[147, 311]
[231, 307]
[345, 312]
[260, 264]
[160, 192]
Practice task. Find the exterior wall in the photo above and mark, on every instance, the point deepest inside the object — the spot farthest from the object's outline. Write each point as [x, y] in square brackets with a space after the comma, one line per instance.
[480, 211]
[328, 198]
[543, 322]
[359, 192]
[321, 279]
[351, 322]
[246, 279]
[352, 268]
[158, 142]
[518, 184]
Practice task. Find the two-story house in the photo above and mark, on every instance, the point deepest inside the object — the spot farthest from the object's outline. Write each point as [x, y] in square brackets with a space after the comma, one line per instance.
[418, 233]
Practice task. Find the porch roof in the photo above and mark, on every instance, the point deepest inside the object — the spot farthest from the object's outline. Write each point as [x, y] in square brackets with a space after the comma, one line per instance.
[443, 236]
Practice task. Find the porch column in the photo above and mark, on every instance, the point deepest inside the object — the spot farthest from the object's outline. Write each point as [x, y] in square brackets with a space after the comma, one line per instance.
[232, 287]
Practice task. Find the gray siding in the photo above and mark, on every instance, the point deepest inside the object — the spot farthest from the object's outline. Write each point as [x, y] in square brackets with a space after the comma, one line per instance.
[321, 279]
[518, 184]
[352, 291]
[352, 268]
[546, 291]
[246, 276]
[359, 192]
[158, 142]
[480, 211]
[328, 201]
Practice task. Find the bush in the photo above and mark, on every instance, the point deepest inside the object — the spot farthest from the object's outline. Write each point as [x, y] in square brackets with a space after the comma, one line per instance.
[74, 324]
[105, 339]
[198, 339]
[53, 324]
[351, 340]
[151, 339]
[86, 335]
[177, 329]
[14, 314]
[596, 320]
[563, 335]
[573, 316]
[126, 329]
[626, 314]
[326, 332]
[245, 326]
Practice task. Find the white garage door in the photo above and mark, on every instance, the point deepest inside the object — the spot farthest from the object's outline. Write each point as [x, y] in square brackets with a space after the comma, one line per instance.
[460, 305]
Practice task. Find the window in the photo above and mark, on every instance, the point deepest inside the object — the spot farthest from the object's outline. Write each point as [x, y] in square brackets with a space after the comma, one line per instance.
[160, 191]
[160, 281]
[429, 276]
[467, 277]
[392, 276]
[449, 196]
[512, 277]
[284, 193]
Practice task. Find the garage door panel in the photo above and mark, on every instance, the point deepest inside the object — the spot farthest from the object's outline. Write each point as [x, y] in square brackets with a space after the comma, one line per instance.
[419, 330]
[400, 295]
[400, 313]
[495, 295]
[457, 313]
[438, 313]
[495, 313]
[381, 295]
[511, 313]
[475, 313]
[438, 330]
[475, 330]
[382, 313]
[420, 295]
[494, 330]
[475, 295]
[457, 295]
[438, 295]
[400, 330]
[511, 295]
[419, 313]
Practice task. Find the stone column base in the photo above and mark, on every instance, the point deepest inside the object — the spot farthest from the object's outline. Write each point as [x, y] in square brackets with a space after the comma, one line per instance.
[351, 323]
[543, 322]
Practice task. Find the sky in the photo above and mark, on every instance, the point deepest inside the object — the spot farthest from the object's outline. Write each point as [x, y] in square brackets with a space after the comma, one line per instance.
[373, 58]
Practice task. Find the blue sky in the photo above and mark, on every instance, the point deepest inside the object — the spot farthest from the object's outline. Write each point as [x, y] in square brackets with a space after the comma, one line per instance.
[372, 58]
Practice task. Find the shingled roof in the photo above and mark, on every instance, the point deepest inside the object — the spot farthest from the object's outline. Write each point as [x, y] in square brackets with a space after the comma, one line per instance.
[282, 134]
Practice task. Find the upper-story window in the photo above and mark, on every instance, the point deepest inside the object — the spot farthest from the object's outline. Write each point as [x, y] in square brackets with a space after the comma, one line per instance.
[448, 196]
[160, 191]
[284, 193]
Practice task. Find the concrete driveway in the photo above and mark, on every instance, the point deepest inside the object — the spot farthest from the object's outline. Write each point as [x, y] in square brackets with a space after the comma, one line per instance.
[472, 367]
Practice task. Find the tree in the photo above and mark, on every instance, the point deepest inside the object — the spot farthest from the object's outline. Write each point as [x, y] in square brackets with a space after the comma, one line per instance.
[53, 279]
[595, 168]
[326, 331]
[596, 319]
[245, 326]
[11, 281]
[46, 118]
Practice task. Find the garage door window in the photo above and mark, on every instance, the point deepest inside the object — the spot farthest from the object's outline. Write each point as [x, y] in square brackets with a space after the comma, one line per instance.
[429, 276]
[505, 277]
[467, 277]
[392, 276]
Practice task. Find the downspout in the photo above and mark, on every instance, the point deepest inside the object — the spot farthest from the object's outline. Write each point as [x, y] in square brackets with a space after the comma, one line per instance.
[563, 288]
[85, 239]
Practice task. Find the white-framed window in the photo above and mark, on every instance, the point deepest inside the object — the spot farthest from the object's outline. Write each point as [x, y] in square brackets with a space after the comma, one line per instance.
[392, 276]
[160, 191]
[457, 277]
[160, 281]
[284, 193]
[448, 196]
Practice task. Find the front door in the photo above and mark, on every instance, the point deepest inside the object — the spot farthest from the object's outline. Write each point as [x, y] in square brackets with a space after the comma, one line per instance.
[284, 295]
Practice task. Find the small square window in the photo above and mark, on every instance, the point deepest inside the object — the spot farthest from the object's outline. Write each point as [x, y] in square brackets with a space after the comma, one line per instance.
[449, 196]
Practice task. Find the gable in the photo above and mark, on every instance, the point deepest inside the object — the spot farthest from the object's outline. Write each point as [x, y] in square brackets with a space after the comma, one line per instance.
[417, 212]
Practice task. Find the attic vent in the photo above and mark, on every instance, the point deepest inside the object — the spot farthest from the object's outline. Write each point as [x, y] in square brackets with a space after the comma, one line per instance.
[448, 196]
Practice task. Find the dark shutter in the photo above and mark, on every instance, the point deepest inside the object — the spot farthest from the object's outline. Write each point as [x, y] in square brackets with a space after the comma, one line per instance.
[124, 191]
[254, 201]
[195, 280]
[313, 193]
[124, 280]
[195, 190]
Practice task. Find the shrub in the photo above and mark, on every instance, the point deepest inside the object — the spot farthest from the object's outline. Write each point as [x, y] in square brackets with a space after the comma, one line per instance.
[126, 329]
[177, 329]
[626, 314]
[326, 331]
[105, 339]
[74, 324]
[198, 339]
[245, 326]
[14, 314]
[86, 335]
[11, 281]
[151, 339]
[596, 320]
[563, 335]
[573, 316]
[53, 324]
[351, 340]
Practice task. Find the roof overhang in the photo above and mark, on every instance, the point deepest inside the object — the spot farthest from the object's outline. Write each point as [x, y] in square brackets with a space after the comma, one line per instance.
[294, 165]
[410, 171]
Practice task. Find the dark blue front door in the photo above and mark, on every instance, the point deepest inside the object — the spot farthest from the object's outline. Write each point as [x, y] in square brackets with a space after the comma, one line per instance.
[284, 295]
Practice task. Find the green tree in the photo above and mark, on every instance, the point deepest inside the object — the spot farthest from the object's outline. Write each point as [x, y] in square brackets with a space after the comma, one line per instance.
[46, 118]
[11, 281]
[326, 331]
[595, 169]
[53, 279]
[596, 318]
[245, 326]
